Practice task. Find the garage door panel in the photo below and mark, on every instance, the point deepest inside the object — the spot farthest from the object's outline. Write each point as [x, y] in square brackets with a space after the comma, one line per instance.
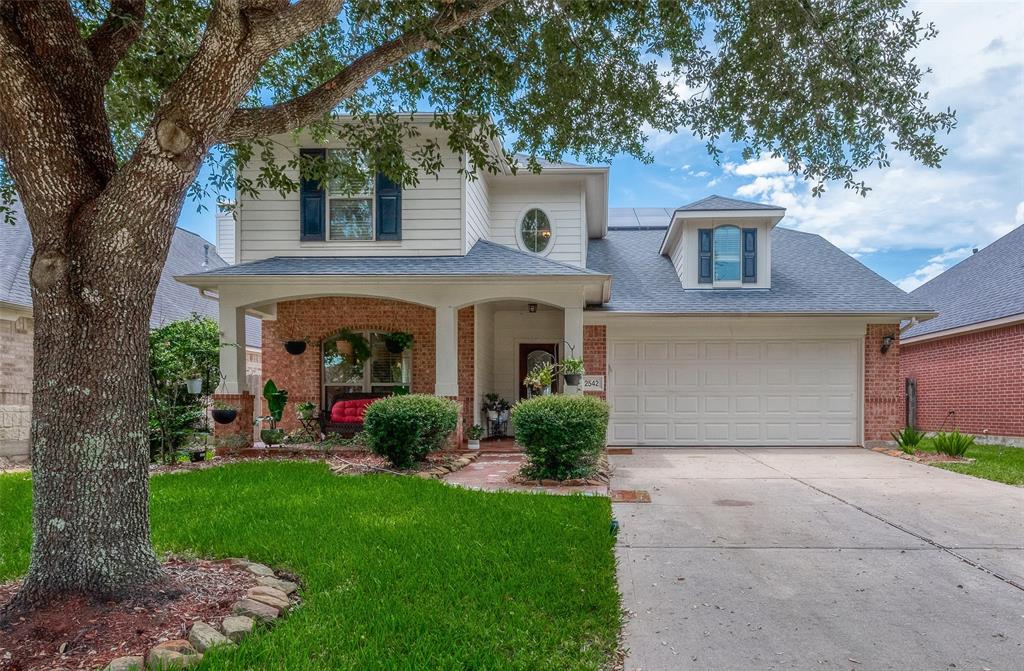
[667, 391]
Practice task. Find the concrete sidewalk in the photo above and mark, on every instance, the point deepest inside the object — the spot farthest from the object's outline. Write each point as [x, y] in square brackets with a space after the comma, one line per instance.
[817, 559]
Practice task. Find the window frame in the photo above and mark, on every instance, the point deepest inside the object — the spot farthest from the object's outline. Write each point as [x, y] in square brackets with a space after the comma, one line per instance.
[367, 378]
[728, 284]
[371, 196]
[518, 224]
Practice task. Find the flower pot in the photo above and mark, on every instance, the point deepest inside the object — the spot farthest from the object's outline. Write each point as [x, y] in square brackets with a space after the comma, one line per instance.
[572, 379]
[473, 444]
[224, 415]
[197, 455]
[394, 347]
[194, 385]
[492, 414]
[295, 347]
[503, 416]
[272, 436]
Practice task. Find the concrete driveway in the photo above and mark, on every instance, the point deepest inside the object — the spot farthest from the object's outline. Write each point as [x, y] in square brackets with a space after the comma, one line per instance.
[817, 559]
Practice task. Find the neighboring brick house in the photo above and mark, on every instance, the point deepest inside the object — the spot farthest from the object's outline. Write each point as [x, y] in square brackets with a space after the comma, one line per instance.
[188, 253]
[968, 363]
[705, 325]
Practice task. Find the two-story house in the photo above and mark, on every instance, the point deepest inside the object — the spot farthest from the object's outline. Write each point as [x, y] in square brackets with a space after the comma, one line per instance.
[705, 325]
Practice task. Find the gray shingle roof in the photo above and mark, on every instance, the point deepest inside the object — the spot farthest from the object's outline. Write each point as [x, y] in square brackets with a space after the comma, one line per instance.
[715, 202]
[809, 275]
[485, 258]
[189, 253]
[984, 286]
[15, 258]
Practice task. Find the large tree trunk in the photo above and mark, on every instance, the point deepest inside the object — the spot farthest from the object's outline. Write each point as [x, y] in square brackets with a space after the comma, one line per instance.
[90, 448]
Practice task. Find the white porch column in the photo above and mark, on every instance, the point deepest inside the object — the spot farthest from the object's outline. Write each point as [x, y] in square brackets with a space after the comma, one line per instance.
[232, 350]
[573, 335]
[446, 351]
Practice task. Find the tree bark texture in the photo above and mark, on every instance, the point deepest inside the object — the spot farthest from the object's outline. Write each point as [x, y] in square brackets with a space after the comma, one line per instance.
[101, 232]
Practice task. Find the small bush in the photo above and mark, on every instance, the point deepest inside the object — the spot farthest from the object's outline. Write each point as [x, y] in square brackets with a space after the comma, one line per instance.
[908, 439]
[562, 435]
[954, 443]
[403, 429]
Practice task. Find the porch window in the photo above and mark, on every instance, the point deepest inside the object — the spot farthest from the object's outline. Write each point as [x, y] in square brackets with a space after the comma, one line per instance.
[350, 202]
[381, 373]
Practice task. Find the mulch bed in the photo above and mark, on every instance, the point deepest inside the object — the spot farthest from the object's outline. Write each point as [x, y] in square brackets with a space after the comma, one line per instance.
[924, 457]
[600, 477]
[75, 633]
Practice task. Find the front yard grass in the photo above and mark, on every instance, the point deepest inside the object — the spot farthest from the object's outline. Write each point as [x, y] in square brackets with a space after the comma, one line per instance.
[992, 462]
[398, 572]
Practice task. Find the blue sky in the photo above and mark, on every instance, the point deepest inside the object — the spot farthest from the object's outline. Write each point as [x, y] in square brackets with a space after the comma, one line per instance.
[916, 221]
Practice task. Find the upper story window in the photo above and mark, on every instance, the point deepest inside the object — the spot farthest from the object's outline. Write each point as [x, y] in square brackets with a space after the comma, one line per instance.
[727, 254]
[535, 231]
[350, 202]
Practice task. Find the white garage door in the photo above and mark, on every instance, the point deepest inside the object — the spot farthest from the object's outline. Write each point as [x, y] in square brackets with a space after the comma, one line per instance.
[733, 392]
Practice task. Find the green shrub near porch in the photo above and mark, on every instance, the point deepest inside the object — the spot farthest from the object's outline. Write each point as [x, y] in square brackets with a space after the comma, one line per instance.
[403, 429]
[562, 436]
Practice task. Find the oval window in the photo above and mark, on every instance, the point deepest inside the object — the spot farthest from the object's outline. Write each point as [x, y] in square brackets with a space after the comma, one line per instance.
[535, 231]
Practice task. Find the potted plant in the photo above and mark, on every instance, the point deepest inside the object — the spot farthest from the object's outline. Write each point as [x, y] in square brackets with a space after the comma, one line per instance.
[398, 341]
[539, 380]
[504, 408]
[194, 385]
[350, 345]
[572, 371]
[224, 413]
[276, 400]
[474, 434]
[491, 406]
[306, 410]
[295, 347]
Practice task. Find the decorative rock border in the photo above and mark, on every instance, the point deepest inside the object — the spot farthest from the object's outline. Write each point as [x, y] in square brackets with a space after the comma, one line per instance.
[272, 597]
[900, 454]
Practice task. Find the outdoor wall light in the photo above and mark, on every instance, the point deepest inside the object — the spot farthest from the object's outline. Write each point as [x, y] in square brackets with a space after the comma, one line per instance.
[532, 307]
[887, 343]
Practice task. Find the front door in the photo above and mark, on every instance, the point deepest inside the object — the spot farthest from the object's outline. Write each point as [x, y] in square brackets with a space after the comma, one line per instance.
[531, 355]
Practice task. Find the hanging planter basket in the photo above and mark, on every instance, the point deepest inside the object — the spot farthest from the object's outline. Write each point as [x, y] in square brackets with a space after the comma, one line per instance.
[394, 347]
[194, 385]
[295, 347]
[224, 415]
[572, 379]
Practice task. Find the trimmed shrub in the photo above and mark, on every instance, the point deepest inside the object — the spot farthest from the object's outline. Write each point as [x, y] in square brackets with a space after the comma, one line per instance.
[562, 435]
[403, 429]
[908, 439]
[954, 443]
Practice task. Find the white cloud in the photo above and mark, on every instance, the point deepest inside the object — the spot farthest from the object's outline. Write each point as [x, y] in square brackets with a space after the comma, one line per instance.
[765, 165]
[935, 266]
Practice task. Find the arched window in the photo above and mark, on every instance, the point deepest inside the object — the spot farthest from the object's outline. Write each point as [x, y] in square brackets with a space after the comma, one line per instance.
[727, 254]
[535, 231]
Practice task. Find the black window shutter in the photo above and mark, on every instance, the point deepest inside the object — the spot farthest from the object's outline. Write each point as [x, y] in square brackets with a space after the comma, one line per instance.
[389, 208]
[749, 255]
[312, 208]
[704, 255]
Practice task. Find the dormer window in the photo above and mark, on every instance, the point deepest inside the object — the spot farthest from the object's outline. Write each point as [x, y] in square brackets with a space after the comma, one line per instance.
[535, 231]
[727, 256]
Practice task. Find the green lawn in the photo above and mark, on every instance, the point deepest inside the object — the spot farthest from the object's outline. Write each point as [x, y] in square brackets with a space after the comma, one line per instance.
[400, 573]
[992, 462]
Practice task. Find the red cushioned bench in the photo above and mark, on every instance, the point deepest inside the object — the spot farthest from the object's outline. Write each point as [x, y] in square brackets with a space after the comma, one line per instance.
[345, 417]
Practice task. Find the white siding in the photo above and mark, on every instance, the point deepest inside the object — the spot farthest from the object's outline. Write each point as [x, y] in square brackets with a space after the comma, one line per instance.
[484, 335]
[432, 216]
[226, 236]
[560, 197]
[478, 215]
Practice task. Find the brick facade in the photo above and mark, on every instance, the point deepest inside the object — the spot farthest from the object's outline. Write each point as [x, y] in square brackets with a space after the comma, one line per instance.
[15, 386]
[314, 319]
[467, 367]
[978, 376]
[883, 385]
[225, 434]
[595, 354]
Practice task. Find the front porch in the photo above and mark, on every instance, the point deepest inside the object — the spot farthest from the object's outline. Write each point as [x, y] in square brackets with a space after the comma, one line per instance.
[470, 337]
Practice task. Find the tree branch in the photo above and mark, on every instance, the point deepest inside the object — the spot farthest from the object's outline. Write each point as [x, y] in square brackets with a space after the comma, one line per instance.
[279, 27]
[119, 30]
[252, 123]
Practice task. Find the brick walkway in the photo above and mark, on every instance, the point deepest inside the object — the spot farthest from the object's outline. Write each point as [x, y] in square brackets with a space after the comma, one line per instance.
[491, 472]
